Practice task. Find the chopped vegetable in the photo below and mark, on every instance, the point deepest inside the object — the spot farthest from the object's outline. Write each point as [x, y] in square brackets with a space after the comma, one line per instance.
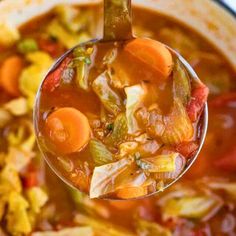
[17, 107]
[135, 95]
[160, 163]
[37, 198]
[181, 83]
[68, 129]
[18, 221]
[178, 127]
[127, 148]
[9, 77]
[109, 98]
[120, 130]
[148, 228]
[9, 34]
[75, 231]
[101, 155]
[68, 39]
[54, 78]
[32, 75]
[153, 53]
[187, 149]
[109, 178]
[196, 104]
[132, 192]
[27, 45]
[198, 207]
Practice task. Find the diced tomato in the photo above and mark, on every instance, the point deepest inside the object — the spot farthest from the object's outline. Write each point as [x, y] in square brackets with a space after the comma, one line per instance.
[223, 99]
[54, 48]
[195, 105]
[53, 79]
[228, 161]
[187, 149]
[30, 179]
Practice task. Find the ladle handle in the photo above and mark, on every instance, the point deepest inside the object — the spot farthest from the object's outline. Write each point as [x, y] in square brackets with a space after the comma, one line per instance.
[117, 20]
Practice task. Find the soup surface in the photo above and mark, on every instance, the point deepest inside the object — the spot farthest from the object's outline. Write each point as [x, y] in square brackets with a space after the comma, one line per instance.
[34, 200]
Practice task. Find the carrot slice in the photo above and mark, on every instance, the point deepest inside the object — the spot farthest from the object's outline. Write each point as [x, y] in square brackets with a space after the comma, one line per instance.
[131, 192]
[9, 75]
[68, 129]
[153, 53]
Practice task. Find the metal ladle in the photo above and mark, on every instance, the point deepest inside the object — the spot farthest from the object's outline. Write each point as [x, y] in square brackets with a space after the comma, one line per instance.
[118, 27]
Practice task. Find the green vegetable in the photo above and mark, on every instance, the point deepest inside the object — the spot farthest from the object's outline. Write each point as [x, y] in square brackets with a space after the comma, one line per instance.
[148, 228]
[37, 198]
[178, 127]
[127, 148]
[160, 163]
[181, 83]
[27, 45]
[196, 207]
[75, 231]
[135, 95]
[120, 130]
[109, 98]
[101, 155]
[18, 221]
[9, 34]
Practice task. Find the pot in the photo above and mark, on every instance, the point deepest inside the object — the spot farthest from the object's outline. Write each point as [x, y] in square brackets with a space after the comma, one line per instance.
[204, 16]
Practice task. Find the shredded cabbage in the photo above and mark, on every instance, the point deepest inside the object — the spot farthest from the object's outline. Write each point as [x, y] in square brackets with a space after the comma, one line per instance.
[135, 95]
[68, 39]
[8, 34]
[18, 221]
[32, 75]
[37, 198]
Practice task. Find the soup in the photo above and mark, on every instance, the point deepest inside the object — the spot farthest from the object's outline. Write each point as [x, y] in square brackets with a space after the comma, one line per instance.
[134, 129]
[33, 199]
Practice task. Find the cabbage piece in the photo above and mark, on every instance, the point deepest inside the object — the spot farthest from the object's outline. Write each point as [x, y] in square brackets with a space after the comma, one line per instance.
[37, 198]
[67, 38]
[228, 187]
[109, 98]
[196, 207]
[8, 34]
[5, 117]
[135, 95]
[75, 231]
[32, 75]
[18, 221]
[101, 227]
[111, 177]
[181, 83]
[101, 155]
[148, 228]
[127, 148]
[9, 180]
[18, 158]
[27, 45]
[160, 163]
[120, 130]
[178, 127]
[17, 107]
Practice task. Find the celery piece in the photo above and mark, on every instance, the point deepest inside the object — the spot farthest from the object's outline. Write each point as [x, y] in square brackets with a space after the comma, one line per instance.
[27, 45]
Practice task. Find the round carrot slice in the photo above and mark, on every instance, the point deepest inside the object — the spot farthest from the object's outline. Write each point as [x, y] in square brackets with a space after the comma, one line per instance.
[9, 75]
[68, 129]
[153, 53]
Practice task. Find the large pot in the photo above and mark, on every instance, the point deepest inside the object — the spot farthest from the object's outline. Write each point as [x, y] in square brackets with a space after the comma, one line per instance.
[205, 16]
